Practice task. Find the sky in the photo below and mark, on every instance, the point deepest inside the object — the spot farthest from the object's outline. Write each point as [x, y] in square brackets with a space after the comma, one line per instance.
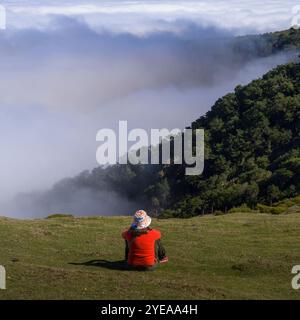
[70, 68]
[141, 17]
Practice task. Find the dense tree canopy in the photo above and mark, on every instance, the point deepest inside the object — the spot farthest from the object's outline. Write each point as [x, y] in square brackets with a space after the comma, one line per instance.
[252, 147]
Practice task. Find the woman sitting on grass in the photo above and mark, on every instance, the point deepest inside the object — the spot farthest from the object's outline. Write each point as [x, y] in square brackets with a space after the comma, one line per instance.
[144, 249]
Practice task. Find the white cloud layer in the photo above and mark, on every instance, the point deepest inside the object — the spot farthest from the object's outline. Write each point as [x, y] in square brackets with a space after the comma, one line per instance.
[146, 16]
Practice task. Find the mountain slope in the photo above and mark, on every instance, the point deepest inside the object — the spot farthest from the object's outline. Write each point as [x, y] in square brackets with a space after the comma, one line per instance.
[252, 153]
[266, 44]
[252, 140]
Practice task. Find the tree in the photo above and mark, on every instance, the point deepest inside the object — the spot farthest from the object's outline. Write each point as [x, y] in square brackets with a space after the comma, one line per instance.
[273, 193]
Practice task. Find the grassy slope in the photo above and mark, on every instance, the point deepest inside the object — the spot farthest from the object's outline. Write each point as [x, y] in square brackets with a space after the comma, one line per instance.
[239, 255]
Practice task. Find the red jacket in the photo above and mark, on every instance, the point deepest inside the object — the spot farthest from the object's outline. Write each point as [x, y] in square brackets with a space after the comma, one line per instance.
[142, 247]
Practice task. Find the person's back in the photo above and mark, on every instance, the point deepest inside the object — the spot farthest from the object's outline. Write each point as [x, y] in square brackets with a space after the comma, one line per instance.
[143, 245]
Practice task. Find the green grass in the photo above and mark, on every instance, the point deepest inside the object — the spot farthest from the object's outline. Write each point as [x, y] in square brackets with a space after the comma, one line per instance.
[233, 256]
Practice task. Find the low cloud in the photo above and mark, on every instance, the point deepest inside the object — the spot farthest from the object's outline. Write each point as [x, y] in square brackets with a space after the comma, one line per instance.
[62, 83]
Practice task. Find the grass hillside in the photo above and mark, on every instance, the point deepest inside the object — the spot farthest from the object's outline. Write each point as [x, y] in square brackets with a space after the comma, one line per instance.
[233, 256]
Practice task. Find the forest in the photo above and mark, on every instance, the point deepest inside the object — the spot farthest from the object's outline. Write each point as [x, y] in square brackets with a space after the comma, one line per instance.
[252, 156]
[252, 151]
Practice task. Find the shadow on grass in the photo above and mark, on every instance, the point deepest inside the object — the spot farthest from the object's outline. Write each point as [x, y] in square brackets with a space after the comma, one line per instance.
[113, 265]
